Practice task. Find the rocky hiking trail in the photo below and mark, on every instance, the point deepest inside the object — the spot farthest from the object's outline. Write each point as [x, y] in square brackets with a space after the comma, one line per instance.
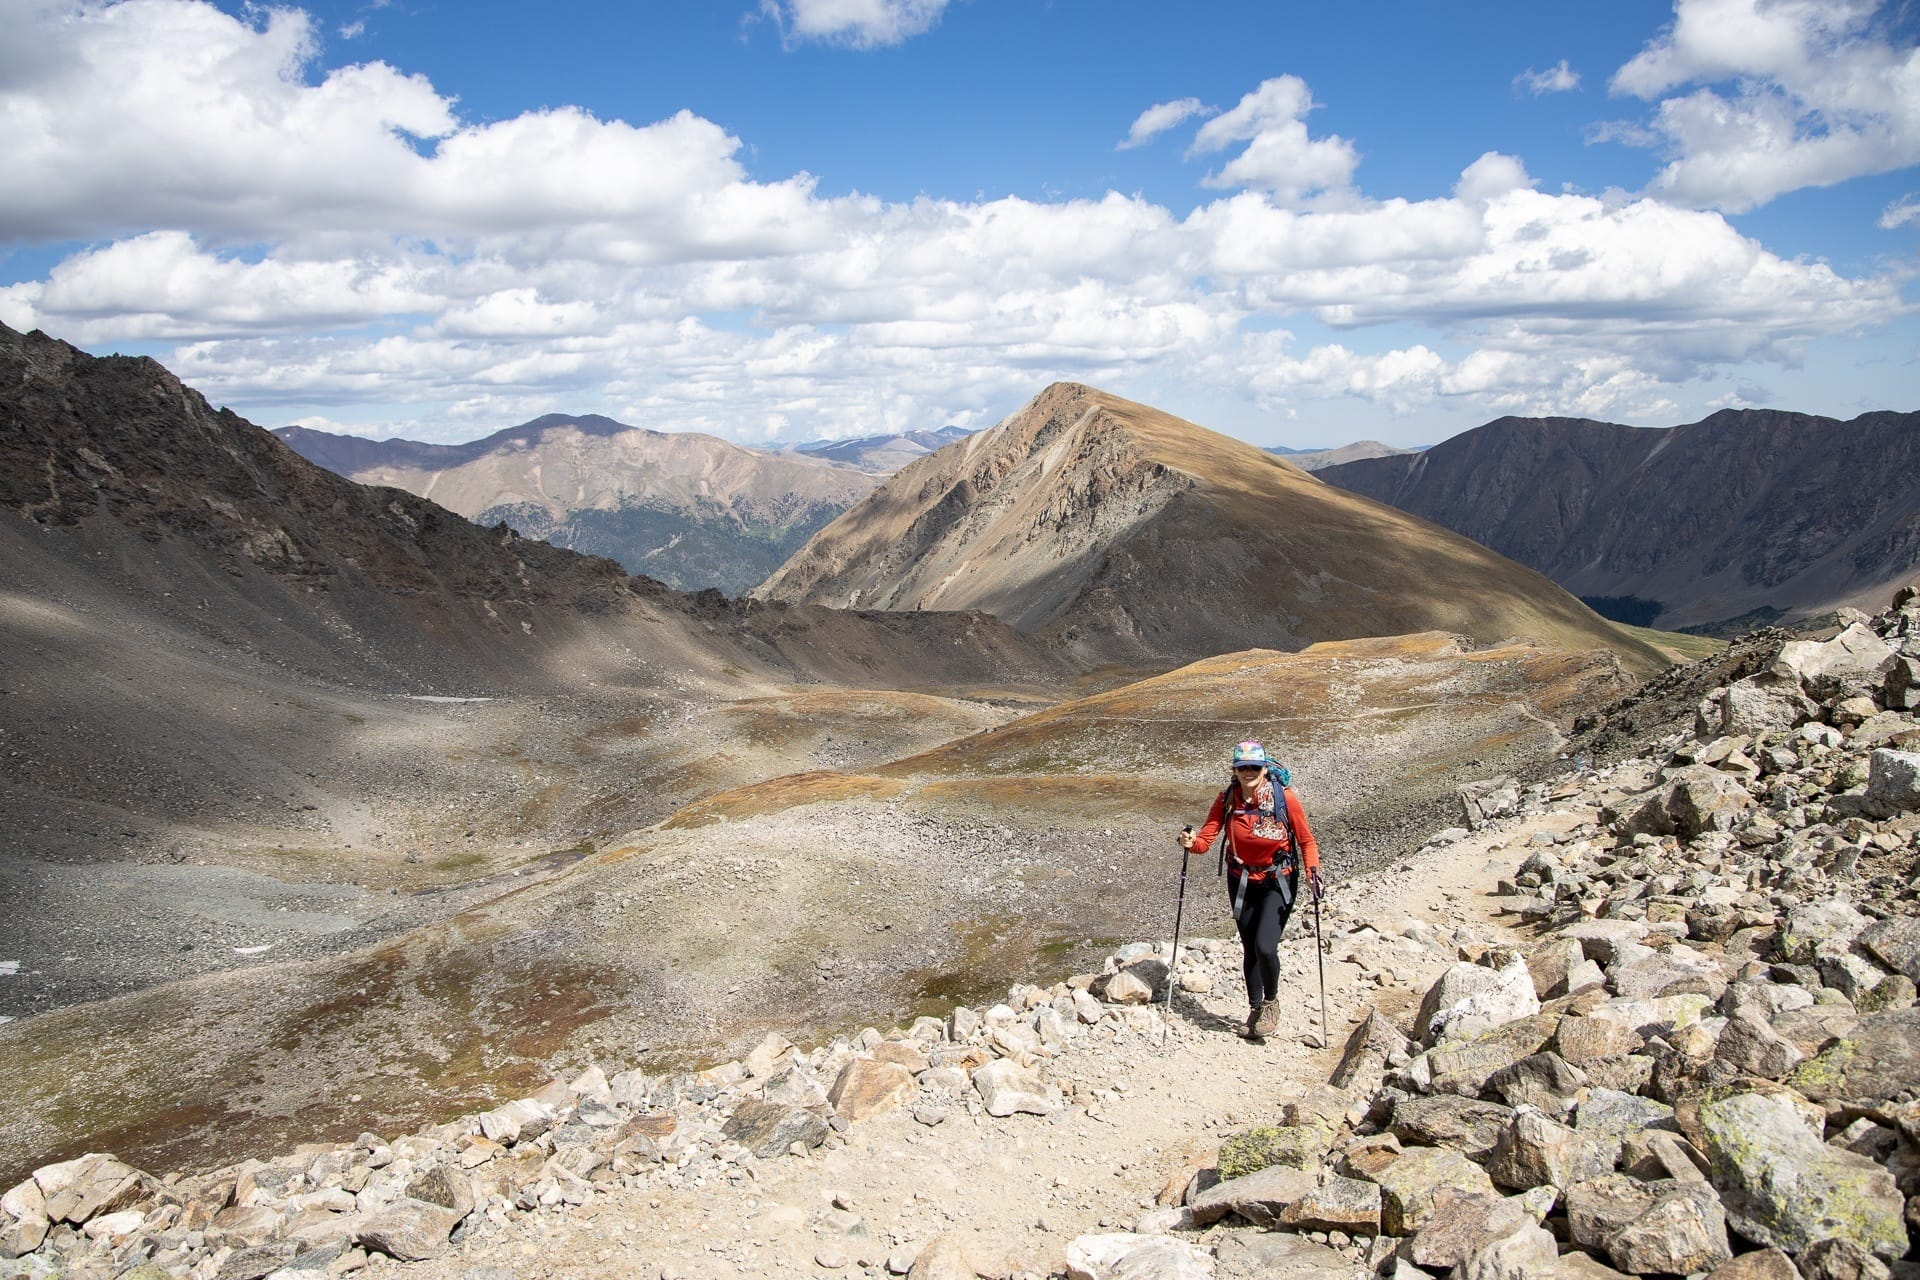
[1657, 1018]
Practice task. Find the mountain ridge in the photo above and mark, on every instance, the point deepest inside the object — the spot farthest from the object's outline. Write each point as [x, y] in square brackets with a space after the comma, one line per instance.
[689, 509]
[1745, 515]
[1123, 533]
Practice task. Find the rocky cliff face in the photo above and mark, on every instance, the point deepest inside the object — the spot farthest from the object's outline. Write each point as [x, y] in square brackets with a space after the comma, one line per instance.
[1748, 515]
[1120, 532]
[690, 510]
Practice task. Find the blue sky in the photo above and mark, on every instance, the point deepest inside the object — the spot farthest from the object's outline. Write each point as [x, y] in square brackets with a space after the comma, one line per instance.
[805, 218]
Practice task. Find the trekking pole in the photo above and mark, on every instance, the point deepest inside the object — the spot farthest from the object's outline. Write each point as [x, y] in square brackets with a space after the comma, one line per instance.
[1320, 954]
[1173, 958]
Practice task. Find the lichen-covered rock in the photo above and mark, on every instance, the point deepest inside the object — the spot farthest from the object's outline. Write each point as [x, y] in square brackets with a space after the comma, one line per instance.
[1816, 929]
[1291, 1146]
[1783, 1186]
[1409, 1185]
[1878, 1059]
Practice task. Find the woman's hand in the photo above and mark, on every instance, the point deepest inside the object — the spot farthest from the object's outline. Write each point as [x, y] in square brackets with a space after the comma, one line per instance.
[1186, 839]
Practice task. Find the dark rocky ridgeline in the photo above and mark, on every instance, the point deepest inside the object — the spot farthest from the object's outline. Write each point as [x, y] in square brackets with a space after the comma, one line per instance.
[124, 465]
[1703, 1061]
[1750, 514]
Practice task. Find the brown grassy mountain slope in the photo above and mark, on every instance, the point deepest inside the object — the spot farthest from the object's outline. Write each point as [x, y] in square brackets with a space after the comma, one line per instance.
[805, 904]
[219, 666]
[689, 509]
[1123, 533]
[1749, 515]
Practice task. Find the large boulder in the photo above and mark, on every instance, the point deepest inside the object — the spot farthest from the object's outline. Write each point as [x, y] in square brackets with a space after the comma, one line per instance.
[1460, 1224]
[1701, 798]
[1895, 943]
[1374, 1045]
[1351, 1205]
[1007, 1088]
[79, 1189]
[1783, 1186]
[1855, 659]
[409, 1230]
[1764, 704]
[1125, 1256]
[1476, 997]
[1817, 929]
[769, 1128]
[23, 1220]
[1661, 1227]
[1259, 1197]
[1484, 801]
[866, 1087]
[1754, 1048]
[1534, 1151]
[1528, 1252]
[1410, 1184]
[1675, 971]
[1466, 1125]
[1877, 1060]
[1893, 782]
[1464, 1066]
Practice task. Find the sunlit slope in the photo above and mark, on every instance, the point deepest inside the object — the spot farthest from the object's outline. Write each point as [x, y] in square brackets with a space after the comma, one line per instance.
[1354, 719]
[822, 899]
[1124, 533]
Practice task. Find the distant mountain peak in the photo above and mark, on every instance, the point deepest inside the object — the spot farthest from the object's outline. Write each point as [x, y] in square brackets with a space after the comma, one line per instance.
[1124, 533]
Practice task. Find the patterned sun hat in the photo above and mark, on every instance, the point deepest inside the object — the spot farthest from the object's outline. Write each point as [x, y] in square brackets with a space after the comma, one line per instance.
[1249, 753]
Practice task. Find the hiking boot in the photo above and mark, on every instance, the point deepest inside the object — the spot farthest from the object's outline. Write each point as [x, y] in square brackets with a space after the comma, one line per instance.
[1268, 1020]
[1253, 1019]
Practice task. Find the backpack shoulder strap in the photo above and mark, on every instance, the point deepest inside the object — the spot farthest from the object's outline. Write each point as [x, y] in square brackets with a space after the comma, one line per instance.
[1280, 778]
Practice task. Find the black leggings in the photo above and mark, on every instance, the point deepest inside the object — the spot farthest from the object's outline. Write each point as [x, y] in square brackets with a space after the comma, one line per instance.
[1260, 910]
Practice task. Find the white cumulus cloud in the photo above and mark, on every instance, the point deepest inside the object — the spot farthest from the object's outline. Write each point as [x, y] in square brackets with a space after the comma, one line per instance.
[1756, 98]
[1159, 118]
[1558, 78]
[862, 24]
[1280, 157]
[347, 243]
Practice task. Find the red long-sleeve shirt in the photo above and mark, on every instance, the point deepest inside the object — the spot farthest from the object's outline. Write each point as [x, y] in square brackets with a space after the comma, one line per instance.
[1254, 841]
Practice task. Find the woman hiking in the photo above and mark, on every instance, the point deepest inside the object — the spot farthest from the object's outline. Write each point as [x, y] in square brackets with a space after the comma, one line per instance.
[1268, 844]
